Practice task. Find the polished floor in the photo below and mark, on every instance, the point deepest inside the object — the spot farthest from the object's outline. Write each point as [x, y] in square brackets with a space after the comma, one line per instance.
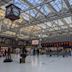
[42, 63]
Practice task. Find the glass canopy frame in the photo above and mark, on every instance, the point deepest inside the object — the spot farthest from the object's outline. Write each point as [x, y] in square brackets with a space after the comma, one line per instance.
[39, 18]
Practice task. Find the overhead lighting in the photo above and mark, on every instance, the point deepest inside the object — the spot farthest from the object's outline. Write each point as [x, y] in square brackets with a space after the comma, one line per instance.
[1, 13]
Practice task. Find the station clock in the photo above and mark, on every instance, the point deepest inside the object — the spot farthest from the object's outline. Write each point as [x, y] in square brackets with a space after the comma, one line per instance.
[12, 12]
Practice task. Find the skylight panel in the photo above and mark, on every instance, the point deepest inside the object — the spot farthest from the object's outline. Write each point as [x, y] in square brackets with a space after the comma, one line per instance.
[60, 22]
[25, 16]
[51, 29]
[45, 10]
[56, 28]
[32, 12]
[70, 1]
[49, 23]
[56, 21]
[38, 7]
[68, 20]
[57, 4]
[34, 2]
[20, 4]
[64, 27]
[70, 25]
[43, 26]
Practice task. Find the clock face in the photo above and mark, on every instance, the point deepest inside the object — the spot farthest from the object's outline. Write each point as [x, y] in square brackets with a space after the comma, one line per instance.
[8, 10]
[16, 11]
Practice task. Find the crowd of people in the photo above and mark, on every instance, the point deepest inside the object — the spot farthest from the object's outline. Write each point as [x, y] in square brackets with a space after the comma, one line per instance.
[24, 52]
[39, 51]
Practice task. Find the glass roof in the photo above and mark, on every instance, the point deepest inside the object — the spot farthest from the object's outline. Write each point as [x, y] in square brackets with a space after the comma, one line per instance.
[20, 4]
[35, 2]
[45, 9]
[70, 1]
[57, 4]
[38, 17]
[68, 20]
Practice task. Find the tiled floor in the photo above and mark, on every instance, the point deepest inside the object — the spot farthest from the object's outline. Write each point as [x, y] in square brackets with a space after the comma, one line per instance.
[42, 63]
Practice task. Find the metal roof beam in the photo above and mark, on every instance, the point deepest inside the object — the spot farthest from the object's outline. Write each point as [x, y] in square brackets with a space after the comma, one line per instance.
[58, 31]
[51, 17]
[68, 5]
[29, 15]
[32, 6]
[52, 8]
[65, 23]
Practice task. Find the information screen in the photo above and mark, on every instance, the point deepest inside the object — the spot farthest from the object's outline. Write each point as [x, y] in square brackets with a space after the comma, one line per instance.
[35, 42]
